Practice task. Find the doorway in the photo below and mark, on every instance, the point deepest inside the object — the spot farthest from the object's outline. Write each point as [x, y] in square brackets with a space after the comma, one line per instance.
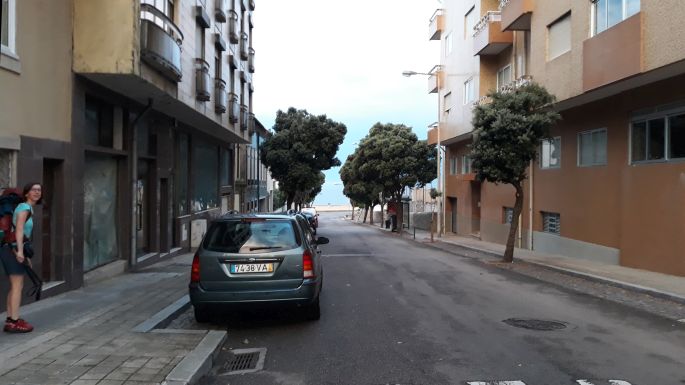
[142, 212]
[453, 204]
[49, 268]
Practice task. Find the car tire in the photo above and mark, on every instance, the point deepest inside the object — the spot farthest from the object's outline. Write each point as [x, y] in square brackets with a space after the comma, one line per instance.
[313, 311]
[201, 314]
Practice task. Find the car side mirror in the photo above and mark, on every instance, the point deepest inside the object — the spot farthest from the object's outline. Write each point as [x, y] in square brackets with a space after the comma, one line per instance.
[322, 240]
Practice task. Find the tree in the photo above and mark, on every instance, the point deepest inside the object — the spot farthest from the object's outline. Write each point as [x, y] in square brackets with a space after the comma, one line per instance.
[359, 190]
[507, 135]
[392, 155]
[301, 147]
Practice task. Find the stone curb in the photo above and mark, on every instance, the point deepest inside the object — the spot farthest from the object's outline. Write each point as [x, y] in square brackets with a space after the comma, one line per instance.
[592, 277]
[164, 317]
[198, 362]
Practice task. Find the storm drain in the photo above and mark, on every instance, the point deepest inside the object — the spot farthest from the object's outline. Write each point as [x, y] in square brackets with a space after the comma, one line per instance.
[241, 361]
[535, 324]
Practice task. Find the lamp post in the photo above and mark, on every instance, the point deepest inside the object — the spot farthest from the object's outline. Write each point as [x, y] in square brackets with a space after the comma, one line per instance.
[440, 178]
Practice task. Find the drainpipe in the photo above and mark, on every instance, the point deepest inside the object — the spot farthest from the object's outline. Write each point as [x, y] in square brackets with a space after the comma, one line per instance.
[134, 180]
[530, 206]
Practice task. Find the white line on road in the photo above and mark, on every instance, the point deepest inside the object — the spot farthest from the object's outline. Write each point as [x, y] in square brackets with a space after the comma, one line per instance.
[611, 382]
[498, 383]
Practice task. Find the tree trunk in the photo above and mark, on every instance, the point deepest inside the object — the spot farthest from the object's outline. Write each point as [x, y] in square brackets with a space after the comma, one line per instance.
[399, 216]
[518, 207]
[371, 217]
[366, 212]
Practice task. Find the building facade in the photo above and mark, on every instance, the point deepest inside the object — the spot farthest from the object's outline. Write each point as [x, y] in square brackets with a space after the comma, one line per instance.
[609, 187]
[131, 114]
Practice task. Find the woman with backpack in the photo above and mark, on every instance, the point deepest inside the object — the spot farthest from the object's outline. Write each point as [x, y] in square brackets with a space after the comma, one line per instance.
[14, 256]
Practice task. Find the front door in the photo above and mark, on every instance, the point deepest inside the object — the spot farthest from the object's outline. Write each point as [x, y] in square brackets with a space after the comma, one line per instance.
[453, 203]
[475, 209]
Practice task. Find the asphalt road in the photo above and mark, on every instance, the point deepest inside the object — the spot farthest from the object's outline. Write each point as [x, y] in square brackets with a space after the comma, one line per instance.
[397, 312]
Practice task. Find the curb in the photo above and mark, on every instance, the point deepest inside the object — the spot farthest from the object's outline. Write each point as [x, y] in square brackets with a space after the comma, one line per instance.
[165, 316]
[198, 362]
[591, 277]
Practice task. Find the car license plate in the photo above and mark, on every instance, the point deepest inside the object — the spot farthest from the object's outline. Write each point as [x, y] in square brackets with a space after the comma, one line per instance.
[252, 268]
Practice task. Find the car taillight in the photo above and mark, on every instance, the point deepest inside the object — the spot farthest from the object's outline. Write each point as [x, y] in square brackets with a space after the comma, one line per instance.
[308, 264]
[195, 270]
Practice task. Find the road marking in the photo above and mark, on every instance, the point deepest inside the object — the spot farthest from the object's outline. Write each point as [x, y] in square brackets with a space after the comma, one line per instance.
[498, 383]
[611, 382]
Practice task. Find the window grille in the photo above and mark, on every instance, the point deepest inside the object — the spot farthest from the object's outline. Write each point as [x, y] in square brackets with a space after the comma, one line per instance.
[551, 223]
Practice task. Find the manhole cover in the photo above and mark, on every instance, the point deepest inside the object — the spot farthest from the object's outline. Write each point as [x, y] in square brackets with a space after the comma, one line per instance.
[535, 324]
[243, 361]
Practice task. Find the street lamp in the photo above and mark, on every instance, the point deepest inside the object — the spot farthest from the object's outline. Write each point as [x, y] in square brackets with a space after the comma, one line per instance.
[440, 178]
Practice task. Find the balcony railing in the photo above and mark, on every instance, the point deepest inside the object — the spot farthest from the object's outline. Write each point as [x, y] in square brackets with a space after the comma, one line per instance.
[202, 80]
[244, 117]
[250, 60]
[220, 10]
[251, 122]
[233, 35]
[488, 38]
[244, 44]
[482, 100]
[434, 79]
[251, 4]
[436, 25]
[516, 84]
[233, 108]
[160, 42]
[220, 97]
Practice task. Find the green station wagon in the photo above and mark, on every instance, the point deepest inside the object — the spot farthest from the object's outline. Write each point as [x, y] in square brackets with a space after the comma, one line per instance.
[258, 259]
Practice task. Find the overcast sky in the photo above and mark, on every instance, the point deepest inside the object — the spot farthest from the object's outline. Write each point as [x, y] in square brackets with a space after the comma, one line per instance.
[345, 59]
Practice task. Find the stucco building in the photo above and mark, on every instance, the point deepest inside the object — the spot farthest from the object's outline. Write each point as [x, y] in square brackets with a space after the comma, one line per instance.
[130, 113]
[610, 186]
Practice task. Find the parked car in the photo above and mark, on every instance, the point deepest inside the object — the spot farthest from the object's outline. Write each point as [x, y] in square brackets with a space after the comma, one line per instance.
[258, 259]
[312, 212]
[312, 220]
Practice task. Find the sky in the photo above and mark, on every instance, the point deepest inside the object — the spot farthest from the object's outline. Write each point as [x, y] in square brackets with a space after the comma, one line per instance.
[345, 59]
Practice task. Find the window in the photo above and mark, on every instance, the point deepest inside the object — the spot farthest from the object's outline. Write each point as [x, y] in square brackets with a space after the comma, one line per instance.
[205, 170]
[551, 223]
[6, 168]
[592, 148]
[504, 76]
[559, 37]
[99, 123]
[469, 91]
[469, 22]
[200, 42]
[447, 102]
[448, 44]
[183, 165]
[607, 13]
[659, 139]
[465, 164]
[8, 26]
[507, 215]
[453, 165]
[226, 167]
[550, 154]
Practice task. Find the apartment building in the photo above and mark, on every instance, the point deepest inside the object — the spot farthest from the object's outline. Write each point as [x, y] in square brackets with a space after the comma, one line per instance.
[258, 190]
[610, 185]
[131, 114]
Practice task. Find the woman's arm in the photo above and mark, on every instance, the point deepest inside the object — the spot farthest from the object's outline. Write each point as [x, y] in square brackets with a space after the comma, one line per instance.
[22, 217]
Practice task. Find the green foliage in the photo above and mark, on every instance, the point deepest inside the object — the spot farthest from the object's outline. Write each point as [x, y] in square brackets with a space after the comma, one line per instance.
[508, 133]
[302, 146]
[279, 198]
[388, 160]
[435, 193]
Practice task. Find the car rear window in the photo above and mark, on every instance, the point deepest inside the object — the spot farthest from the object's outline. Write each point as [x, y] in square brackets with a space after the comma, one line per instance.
[251, 236]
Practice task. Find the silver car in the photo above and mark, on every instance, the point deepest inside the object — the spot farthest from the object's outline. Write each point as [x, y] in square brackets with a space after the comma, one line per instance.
[261, 259]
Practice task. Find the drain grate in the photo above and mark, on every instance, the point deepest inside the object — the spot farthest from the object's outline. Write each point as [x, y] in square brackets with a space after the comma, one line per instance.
[244, 361]
[535, 324]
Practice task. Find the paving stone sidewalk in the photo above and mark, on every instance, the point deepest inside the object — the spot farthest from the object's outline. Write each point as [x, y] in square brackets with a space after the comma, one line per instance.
[86, 337]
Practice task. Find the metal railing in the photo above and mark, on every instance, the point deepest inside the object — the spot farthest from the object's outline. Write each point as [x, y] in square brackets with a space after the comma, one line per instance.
[503, 4]
[438, 12]
[151, 13]
[488, 18]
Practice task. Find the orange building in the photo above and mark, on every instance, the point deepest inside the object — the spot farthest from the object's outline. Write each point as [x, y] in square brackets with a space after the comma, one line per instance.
[610, 186]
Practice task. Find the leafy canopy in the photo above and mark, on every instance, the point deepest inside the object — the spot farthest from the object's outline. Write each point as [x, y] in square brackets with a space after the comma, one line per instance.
[508, 132]
[302, 146]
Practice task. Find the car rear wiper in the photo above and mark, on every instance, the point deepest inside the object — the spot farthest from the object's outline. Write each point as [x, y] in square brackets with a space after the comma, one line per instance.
[265, 248]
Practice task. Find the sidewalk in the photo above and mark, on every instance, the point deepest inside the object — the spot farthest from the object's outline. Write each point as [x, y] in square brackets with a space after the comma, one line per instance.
[666, 286]
[104, 334]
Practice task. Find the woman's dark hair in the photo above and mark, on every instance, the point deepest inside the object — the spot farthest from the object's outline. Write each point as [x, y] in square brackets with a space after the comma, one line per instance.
[28, 187]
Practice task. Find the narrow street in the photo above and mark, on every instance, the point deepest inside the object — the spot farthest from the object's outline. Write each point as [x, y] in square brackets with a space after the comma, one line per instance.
[397, 312]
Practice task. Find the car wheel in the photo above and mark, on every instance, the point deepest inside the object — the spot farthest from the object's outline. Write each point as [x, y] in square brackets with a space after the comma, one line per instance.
[313, 311]
[201, 314]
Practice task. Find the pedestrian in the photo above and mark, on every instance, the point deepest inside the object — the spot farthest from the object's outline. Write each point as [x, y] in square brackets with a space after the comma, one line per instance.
[15, 256]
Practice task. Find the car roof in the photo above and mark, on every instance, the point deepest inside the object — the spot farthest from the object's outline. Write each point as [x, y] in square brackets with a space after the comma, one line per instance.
[238, 216]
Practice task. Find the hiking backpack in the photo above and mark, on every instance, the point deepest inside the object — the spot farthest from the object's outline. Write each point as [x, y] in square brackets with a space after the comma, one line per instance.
[9, 200]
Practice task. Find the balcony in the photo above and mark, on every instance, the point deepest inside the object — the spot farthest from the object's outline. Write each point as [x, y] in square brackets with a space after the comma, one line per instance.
[614, 54]
[160, 42]
[516, 14]
[250, 60]
[436, 25]
[436, 79]
[244, 117]
[251, 123]
[516, 84]
[220, 97]
[244, 45]
[233, 108]
[488, 38]
[220, 11]
[251, 5]
[202, 80]
[482, 101]
[233, 35]
[433, 135]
